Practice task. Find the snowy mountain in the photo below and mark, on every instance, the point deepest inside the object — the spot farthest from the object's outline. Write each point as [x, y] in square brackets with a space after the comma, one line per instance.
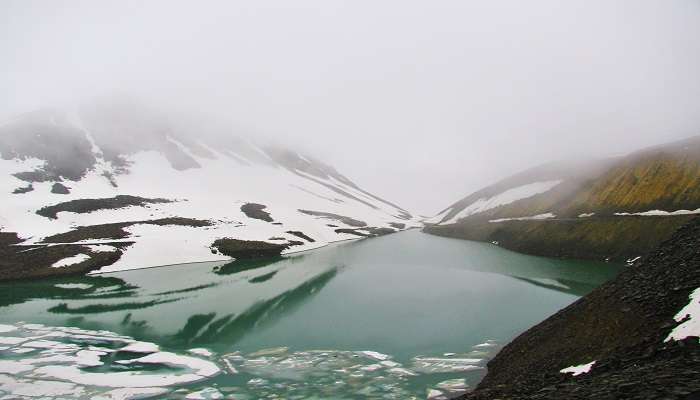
[617, 208]
[115, 185]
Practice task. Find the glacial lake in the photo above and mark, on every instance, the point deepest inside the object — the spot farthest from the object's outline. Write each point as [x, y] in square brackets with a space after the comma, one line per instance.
[399, 316]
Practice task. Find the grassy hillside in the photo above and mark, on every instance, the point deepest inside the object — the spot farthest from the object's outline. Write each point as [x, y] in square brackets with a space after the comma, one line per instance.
[657, 179]
[613, 238]
[663, 178]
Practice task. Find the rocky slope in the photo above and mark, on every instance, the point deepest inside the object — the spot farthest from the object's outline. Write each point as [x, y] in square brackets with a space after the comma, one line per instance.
[615, 209]
[637, 336]
[115, 185]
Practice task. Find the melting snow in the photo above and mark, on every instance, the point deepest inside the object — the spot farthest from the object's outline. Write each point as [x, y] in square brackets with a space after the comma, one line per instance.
[507, 197]
[530, 218]
[691, 327]
[211, 192]
[578, 369]
[658, 213]
[76, 259]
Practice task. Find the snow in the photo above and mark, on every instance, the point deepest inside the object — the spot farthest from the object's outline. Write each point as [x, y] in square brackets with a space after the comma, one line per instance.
[660, 213]
[578, 369]
[213, 192]
[691, 327]
[101, 248]
[438, 217]
[530, 218]
[507, 197]
[76, 259]
[631, 261]
[586, 215]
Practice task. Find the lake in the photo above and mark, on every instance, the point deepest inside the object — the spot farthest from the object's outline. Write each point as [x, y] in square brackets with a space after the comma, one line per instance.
[407, 315]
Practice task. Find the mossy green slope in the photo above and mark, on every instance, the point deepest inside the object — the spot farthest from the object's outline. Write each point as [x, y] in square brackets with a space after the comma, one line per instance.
[665, 178]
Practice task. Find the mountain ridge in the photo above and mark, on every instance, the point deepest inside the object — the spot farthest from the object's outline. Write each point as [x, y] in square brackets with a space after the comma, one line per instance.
[617, 208]
[139, 186]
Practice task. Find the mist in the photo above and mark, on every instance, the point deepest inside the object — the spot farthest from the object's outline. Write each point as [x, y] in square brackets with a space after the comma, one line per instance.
[418, 102]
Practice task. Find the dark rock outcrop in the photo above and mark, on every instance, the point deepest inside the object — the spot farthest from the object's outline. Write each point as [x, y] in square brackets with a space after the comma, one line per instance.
[301, 235]
[23, 189]
[59, 188]
[340, 218]
[621, 325]
[116, 230]
[90, 205]
[256, 211]
[246, 249]
[35, 261]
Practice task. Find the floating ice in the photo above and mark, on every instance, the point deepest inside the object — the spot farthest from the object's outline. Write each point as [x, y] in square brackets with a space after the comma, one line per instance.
[432, 365]
[131, 394]
[62, 362]
[58, 367]
[205, 394]
[73, 286]
[375, 355]
[141, 347]
[200, 352]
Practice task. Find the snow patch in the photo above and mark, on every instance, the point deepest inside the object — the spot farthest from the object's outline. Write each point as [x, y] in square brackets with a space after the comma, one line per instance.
[530, 218]
[72, 260]
[507, 197]
[691, 327]
[660, 213]
[578, 369]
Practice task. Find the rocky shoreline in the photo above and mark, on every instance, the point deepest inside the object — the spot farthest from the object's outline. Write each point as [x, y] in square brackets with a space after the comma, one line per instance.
[622, 326]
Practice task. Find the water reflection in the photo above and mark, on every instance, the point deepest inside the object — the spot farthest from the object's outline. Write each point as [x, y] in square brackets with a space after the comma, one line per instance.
[217, 304]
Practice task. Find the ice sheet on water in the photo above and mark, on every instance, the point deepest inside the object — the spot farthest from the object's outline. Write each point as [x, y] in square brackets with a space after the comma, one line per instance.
[54, 362]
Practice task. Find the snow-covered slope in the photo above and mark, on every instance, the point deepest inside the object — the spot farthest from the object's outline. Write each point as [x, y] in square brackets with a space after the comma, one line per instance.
[69, 176]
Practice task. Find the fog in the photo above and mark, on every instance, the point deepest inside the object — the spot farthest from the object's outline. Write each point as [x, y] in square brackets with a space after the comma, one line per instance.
[419, 102]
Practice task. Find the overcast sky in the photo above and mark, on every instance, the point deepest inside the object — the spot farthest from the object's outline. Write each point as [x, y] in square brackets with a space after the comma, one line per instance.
[421, 102]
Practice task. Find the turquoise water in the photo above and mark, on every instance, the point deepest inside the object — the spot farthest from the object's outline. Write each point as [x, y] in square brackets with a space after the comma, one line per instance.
[425, 303]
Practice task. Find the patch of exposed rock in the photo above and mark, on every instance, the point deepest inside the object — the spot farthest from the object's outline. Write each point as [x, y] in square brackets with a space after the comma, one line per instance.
[622, 326]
